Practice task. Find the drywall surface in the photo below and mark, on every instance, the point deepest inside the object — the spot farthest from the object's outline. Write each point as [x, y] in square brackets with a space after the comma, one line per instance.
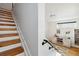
[26, 15]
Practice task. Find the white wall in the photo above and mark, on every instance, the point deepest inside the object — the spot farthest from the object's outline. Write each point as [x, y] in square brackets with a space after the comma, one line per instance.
[41, 29]
[6, 5]
[61, 11]
[27, 18]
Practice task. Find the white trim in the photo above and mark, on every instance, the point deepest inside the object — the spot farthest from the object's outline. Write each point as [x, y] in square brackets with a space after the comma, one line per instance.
[24, 44]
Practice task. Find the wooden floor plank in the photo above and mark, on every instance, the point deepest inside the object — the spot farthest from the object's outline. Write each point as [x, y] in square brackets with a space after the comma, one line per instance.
[8, 35]
[10, 42]
[12, 52]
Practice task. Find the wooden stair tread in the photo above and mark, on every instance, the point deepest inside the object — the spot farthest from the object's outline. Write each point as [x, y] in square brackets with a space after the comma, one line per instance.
[12, 52]
[5, 15]
[5, 12]
[2, 14]
[10, 42]
[8, 35]
[7, 18]
[6, 21]
[7, 29]
[1, 24]
[2, 11]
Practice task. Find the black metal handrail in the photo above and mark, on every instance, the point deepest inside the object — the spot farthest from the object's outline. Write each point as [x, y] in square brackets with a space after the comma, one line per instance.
[51, 46]
[46, 41]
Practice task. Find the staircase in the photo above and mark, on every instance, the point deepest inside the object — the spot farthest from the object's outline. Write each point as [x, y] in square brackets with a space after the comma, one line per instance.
[10, 44]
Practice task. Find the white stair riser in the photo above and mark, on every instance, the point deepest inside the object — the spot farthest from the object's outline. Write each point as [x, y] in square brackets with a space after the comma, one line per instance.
[6, 23]
[7, 32]
[7, 26]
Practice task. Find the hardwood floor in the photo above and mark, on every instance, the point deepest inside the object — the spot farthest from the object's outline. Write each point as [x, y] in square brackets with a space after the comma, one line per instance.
[66, 51]
[73, 51]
